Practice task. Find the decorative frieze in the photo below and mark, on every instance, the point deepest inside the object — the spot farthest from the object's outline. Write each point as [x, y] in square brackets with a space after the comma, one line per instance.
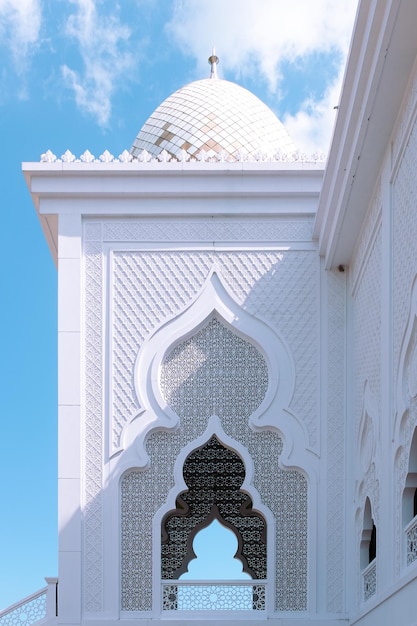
[233, 596]
[183, 157]
[219, 231]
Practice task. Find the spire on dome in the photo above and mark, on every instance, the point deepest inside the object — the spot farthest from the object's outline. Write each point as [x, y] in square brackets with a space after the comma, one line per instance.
[213, 61]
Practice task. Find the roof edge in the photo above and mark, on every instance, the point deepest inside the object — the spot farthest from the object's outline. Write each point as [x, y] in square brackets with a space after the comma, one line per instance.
[382, 54]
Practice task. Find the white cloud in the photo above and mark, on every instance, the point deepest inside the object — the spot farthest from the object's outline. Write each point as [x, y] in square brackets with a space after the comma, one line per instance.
[266, 37]
[312, 126]
[261, 33]
[20, 23]
[102, 41]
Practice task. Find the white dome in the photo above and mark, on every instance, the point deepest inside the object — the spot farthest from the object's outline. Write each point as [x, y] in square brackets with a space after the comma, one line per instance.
[212, 115]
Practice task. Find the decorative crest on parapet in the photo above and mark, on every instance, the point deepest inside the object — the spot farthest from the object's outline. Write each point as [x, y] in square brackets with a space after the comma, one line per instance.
[183, 157]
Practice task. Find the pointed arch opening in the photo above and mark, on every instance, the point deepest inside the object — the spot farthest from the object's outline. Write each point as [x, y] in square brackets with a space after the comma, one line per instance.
[216, 547]
[409, 504]
[368, 552]
[214, 475]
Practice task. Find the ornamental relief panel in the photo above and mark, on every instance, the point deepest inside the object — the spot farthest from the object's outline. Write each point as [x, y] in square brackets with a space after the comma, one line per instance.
[404, 190]
[216, 230]
[336, 339]
[194, 375]
[404, 217]
[149, 288]
[93, 420]
[367, 331]
[406, 411]
[366, 238]
[406, 383]
[146, 289]
[412, 369]
[367, 437]
[405, 121]
[409, 373]
[214, 372]
[284, 492]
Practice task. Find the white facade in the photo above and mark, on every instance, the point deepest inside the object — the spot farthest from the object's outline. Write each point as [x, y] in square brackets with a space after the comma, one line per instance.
[167, 271]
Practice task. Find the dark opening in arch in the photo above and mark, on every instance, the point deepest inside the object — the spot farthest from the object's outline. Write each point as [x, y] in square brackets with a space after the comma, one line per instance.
[214, 475]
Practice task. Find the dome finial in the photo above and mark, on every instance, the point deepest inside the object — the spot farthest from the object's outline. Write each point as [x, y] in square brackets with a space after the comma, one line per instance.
[213, 60]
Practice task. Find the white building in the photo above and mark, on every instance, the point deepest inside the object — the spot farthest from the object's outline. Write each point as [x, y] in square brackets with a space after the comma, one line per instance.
[238, 342]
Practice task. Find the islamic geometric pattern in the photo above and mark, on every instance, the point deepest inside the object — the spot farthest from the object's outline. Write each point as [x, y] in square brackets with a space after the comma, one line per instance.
[259, 283]
[284, 492]
[149, 287]
[214, 372]
[214, 475]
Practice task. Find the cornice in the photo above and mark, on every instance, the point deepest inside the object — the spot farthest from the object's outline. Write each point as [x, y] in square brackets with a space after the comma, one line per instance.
[382, 54]
[109, 188]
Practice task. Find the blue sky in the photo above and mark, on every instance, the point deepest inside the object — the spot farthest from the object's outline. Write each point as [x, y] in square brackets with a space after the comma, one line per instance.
[85, 74]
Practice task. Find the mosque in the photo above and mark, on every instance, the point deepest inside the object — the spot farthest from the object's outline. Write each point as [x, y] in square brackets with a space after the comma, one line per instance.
[238, 350]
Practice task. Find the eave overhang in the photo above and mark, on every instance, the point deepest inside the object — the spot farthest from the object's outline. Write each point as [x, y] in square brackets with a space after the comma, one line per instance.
[170, 189]
[382, 55]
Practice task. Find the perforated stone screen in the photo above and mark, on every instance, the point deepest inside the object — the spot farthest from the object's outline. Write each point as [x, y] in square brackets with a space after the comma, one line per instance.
[214, 475]
[214, 372]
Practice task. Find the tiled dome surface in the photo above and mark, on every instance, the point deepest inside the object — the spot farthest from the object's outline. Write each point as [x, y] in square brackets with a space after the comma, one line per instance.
[212, 115]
